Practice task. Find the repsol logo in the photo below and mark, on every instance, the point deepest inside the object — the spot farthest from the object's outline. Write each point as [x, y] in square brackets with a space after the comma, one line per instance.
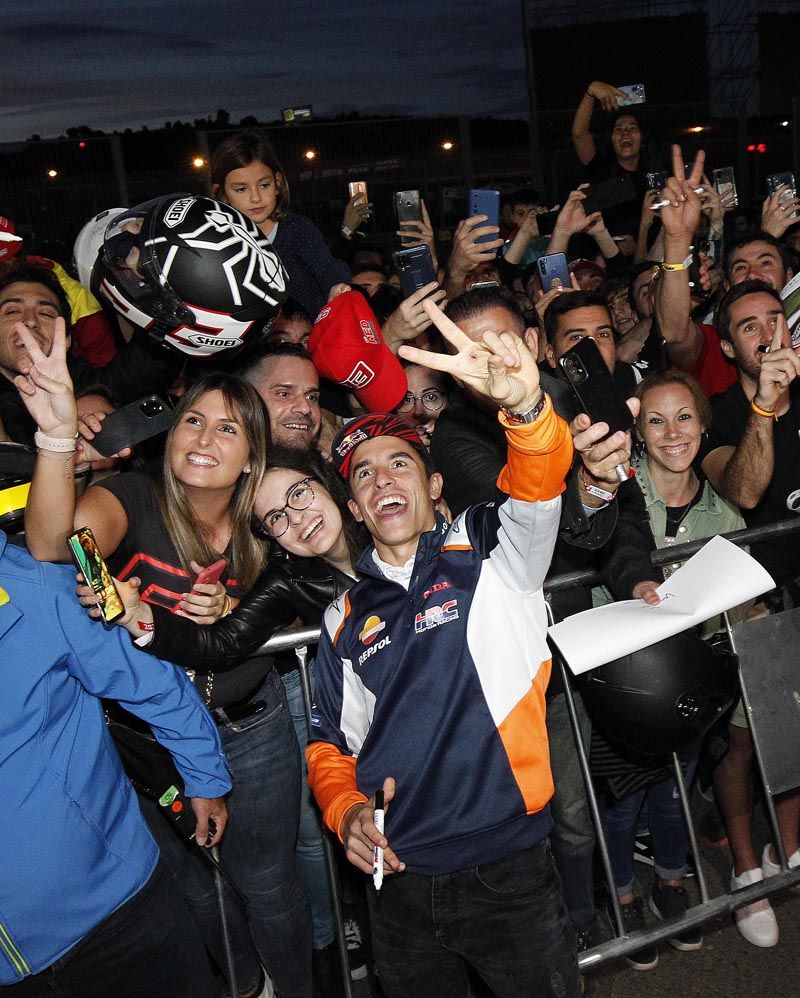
[362, 658]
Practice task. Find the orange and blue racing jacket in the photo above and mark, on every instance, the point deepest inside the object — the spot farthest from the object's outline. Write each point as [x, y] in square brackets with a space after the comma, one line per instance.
[442, 686]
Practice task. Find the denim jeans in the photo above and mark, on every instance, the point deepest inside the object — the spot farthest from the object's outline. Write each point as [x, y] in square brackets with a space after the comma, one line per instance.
[667, 827]
[257, 851]
[573, 836]
[309, 851]
[506, 920]
[147, 948]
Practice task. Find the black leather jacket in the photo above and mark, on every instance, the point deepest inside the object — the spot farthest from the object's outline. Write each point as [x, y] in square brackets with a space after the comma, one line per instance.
[288, 588]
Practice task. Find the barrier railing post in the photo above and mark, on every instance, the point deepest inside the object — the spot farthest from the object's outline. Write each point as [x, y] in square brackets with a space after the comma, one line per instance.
[301, 654]
[687, 815]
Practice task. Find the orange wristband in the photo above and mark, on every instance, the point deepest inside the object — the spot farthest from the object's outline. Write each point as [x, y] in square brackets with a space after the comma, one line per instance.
[767, 413]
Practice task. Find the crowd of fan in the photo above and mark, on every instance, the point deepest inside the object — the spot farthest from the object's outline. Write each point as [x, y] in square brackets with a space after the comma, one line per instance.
[684, 303]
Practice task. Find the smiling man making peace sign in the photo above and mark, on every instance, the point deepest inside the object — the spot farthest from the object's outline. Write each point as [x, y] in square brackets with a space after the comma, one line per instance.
[431, 678]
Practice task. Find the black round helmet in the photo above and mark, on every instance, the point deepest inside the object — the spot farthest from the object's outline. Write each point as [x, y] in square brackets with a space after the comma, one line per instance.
[16, 471]
[662, 698]
[192, 271]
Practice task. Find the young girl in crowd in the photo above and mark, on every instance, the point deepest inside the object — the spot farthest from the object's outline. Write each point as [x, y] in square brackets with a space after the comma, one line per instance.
[673, 416]
[246, 173]
[161, 525]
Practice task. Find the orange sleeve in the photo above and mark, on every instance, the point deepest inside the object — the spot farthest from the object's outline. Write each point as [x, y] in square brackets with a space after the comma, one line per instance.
[332, 777]
[539, 457]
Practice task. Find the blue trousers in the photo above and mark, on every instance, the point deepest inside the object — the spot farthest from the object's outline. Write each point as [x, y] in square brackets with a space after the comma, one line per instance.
[257, 851]
[309, 850]
[506, 920]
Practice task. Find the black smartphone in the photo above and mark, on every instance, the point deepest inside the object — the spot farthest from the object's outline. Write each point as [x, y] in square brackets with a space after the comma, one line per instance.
[608, 193]
[546, 222]
[132, 424]
[553, 267]
[483, 201]
[657, 180]
[408, 208]
[414, 267]
[83, 548]
[594, 387]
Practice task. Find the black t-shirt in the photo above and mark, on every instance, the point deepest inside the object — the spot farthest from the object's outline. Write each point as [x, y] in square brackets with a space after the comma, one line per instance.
[621, 219]
[730, 413]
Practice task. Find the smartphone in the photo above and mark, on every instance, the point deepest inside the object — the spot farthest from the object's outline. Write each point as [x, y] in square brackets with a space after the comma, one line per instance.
[133, 423]
[634, 94]
[608, 193]
[358, 187]
[414, 267]
[657, 180]
[483, 201]
[594, 387]
[408, 208]
[211, 574]
[546, 222]
[725, 183]
[83, 548]
[551, 268]
[787, 181]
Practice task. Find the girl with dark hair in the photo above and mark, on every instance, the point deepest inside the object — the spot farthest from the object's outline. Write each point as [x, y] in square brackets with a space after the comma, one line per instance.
[161, 525]
[246, 173]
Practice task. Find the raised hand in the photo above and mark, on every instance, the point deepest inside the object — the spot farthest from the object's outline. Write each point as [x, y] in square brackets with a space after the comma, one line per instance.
[608, 95]
[45, 385]
[499, 367]
[682, 215]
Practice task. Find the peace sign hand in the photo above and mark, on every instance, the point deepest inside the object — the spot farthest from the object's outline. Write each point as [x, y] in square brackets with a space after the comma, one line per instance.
[499, 367]
[45, 385]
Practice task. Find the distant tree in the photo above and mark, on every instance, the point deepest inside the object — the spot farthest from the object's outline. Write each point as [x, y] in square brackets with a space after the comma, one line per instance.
[34, 138]
[222, 118]
[249, 121]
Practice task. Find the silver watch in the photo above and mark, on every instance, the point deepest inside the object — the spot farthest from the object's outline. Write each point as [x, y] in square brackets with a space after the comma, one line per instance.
[530, 415]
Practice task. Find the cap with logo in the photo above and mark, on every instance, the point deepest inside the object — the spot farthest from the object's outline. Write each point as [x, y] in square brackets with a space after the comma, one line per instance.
[353, 434]
[347, 348]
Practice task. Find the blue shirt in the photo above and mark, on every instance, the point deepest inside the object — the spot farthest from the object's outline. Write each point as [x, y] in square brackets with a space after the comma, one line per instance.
[75, 846]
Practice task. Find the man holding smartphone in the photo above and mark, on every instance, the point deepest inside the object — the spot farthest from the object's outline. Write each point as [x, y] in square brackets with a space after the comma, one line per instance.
[84, 896]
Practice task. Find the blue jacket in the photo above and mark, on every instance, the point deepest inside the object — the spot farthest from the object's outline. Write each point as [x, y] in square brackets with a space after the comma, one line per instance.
[443, 686]
[75, 846]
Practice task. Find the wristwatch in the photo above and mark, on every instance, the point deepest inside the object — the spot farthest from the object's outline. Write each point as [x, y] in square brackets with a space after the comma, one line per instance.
[530, 415]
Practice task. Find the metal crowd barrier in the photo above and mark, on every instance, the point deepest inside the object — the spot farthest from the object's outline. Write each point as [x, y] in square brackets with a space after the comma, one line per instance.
[299, 638]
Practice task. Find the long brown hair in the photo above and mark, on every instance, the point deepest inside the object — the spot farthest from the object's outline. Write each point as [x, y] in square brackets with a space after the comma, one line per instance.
[247, 552]
[251, 146]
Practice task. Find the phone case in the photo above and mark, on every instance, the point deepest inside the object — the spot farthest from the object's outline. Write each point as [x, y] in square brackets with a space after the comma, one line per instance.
[725, 182]
[408, 208]
[211, 574]
[594, 387]
[553, 267]
[83, 548]
[132, 424]
[608, 193]
[657, 180]
[358, 187]
[635, 94]
[483, 201]
[414, 267]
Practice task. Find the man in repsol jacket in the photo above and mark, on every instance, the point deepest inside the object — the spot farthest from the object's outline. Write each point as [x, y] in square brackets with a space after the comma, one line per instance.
[431, 684]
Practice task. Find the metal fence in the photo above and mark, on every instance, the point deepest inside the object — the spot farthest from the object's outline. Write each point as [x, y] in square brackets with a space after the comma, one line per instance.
[299, 639]
[50, 188]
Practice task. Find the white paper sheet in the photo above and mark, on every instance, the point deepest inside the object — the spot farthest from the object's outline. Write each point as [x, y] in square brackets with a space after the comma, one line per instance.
[718, 577]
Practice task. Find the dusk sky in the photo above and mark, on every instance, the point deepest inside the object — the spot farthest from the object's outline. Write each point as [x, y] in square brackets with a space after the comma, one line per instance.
[123, 63]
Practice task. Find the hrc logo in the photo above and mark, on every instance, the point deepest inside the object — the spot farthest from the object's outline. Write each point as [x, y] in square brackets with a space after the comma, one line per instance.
[436, 615]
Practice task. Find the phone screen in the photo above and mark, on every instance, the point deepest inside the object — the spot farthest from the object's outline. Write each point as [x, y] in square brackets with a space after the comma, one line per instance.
[87, 557]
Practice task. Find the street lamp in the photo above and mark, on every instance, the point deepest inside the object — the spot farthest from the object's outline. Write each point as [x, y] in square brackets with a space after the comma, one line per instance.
[198, 162]
[310, 154]
[52, 174]
[447, 145]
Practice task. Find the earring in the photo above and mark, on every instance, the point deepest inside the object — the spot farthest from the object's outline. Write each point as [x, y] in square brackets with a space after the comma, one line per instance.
[246, 471]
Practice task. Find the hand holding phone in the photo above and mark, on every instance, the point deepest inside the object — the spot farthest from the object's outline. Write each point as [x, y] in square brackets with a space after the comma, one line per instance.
[141, 420]
[86, 555]
[483, 201]
[209, 576]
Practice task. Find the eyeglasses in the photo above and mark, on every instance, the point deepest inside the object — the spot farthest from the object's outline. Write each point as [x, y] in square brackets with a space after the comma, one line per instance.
[299, 497]
[432, 400]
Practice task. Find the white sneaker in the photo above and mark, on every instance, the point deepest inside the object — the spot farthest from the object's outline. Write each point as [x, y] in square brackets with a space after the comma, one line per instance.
[756, 922]
[770, 869]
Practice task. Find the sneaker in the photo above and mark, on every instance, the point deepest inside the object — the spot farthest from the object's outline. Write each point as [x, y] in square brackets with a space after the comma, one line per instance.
[756, 922]
[355, 949]
[770, 869]
[669, 901]
[643, 849]
[633, 921]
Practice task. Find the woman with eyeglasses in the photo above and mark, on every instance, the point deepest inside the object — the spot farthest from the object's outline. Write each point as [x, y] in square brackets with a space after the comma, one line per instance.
[301, 506]
[426, 399]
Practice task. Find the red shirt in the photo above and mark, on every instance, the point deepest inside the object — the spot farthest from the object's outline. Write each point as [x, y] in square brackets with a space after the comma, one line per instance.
[715, 372]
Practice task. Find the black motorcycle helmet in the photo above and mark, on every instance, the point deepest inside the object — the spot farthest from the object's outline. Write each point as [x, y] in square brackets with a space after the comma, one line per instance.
[16, 472]
[192, 271]
[662, 698]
